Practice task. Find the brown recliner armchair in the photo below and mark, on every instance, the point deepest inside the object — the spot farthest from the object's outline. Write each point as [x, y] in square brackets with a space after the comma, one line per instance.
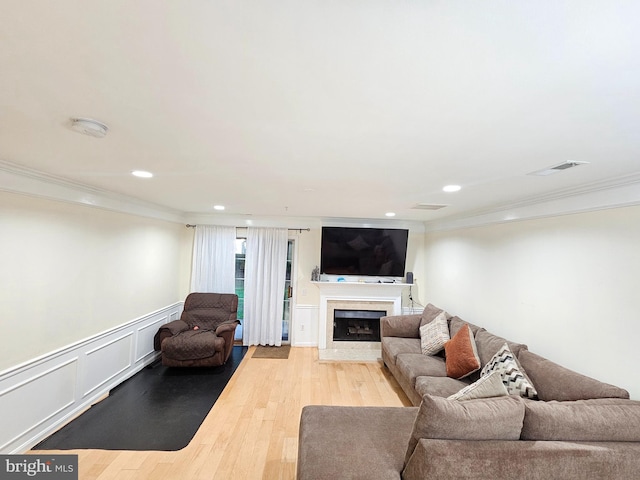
[203, 337]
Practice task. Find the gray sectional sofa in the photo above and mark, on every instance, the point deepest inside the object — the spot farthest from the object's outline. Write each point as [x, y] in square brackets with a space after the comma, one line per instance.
[575, 428]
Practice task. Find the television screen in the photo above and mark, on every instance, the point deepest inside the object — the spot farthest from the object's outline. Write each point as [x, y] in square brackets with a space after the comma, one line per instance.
[363, 251]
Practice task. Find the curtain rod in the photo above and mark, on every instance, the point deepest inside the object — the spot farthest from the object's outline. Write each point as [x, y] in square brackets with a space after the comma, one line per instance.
[290, 229]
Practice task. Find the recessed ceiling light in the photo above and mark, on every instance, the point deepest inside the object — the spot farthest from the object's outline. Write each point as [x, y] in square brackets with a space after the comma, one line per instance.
[390, 214]
[142, 174]
[451, 188]
[218, 207]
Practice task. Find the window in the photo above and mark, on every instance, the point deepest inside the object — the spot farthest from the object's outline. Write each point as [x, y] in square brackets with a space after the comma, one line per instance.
[241, 250]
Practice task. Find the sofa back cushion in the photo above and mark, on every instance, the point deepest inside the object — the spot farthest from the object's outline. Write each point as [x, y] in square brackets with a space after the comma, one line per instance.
[498, 418]
[456, 323]
[596, 420]
[488, 344]
[430, 312]
[554, 382]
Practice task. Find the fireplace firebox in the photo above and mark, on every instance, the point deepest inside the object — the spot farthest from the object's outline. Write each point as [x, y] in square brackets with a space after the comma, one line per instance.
[357, 325]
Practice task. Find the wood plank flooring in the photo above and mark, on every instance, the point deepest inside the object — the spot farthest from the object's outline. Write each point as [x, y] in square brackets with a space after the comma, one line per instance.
[252, 430]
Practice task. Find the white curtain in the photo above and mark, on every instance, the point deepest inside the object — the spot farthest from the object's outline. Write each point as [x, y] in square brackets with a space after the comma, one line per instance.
[214, 261]
[264, 281]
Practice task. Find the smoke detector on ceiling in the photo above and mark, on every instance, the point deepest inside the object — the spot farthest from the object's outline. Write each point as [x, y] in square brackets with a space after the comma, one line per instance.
[557, 168]
[90, 127]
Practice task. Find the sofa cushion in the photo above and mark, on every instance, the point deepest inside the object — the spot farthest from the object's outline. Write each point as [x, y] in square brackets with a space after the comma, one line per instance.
[434, 335]
[394, 346]
[597, 420]
[488, 344]
[488, 386]
[461, 354]
[554, 382]
[513, 378]
[192, 345]
[413, 365]
[439, 386]
[456, 323]
[497, 418]
[430, 312]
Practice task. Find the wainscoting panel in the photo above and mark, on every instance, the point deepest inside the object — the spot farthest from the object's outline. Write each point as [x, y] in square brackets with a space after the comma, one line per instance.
[106, 362]
[39, 396]
[305, 326]
[33, 401]
[144, 338]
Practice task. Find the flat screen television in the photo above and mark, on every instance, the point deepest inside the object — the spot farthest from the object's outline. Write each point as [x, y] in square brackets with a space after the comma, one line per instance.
[363, 251]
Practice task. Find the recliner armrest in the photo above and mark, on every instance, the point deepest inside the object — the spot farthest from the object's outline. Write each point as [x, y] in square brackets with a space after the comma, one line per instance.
[227, 330]
[168, 330]
[226, 327]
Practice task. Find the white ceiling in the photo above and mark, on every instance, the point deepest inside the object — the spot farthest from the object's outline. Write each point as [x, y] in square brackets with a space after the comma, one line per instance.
[339, 108]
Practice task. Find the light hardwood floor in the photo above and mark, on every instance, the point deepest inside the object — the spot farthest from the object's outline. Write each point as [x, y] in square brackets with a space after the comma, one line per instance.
[252, 430]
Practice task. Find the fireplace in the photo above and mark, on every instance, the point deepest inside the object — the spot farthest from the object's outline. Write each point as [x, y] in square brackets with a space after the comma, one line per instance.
[357, 325]
[358, 296]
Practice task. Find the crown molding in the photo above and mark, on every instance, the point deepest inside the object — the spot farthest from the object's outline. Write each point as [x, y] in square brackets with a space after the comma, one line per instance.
[611, 193]
[616, 192]
[18, 179]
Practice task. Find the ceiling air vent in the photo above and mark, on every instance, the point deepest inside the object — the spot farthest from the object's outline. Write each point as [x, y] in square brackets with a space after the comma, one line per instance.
[557, 168]
[428, 206]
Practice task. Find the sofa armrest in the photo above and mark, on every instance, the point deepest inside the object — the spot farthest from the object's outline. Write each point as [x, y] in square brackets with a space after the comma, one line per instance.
[340, 442]
[407, 326]
[168, 330]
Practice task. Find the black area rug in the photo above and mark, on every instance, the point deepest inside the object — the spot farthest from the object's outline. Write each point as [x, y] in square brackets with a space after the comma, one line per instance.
[159, 408]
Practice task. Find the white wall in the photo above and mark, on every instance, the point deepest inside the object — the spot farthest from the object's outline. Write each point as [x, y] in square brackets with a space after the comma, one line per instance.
[566, 286]
[69, 272]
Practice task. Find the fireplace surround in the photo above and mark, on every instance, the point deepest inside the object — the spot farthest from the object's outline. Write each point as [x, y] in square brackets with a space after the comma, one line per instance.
[381, 297]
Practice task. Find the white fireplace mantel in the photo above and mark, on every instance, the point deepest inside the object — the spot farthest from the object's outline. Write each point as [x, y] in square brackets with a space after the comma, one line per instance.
[355, 292]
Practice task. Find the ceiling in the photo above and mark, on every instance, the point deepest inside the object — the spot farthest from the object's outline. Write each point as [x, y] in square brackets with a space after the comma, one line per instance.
[332, 109]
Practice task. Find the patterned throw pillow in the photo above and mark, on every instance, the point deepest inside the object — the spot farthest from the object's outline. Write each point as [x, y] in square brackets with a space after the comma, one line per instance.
[434, 335]
[461, 355]
[513, 378]
[486, 387]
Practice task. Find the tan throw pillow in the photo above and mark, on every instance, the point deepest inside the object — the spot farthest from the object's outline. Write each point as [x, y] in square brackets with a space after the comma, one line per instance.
[461, 354]
[486, 387]
[513, 378]
[434, 335]
[497, 418]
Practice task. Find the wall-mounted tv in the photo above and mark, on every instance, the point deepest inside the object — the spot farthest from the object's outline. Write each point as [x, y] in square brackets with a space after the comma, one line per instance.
[363, 251]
